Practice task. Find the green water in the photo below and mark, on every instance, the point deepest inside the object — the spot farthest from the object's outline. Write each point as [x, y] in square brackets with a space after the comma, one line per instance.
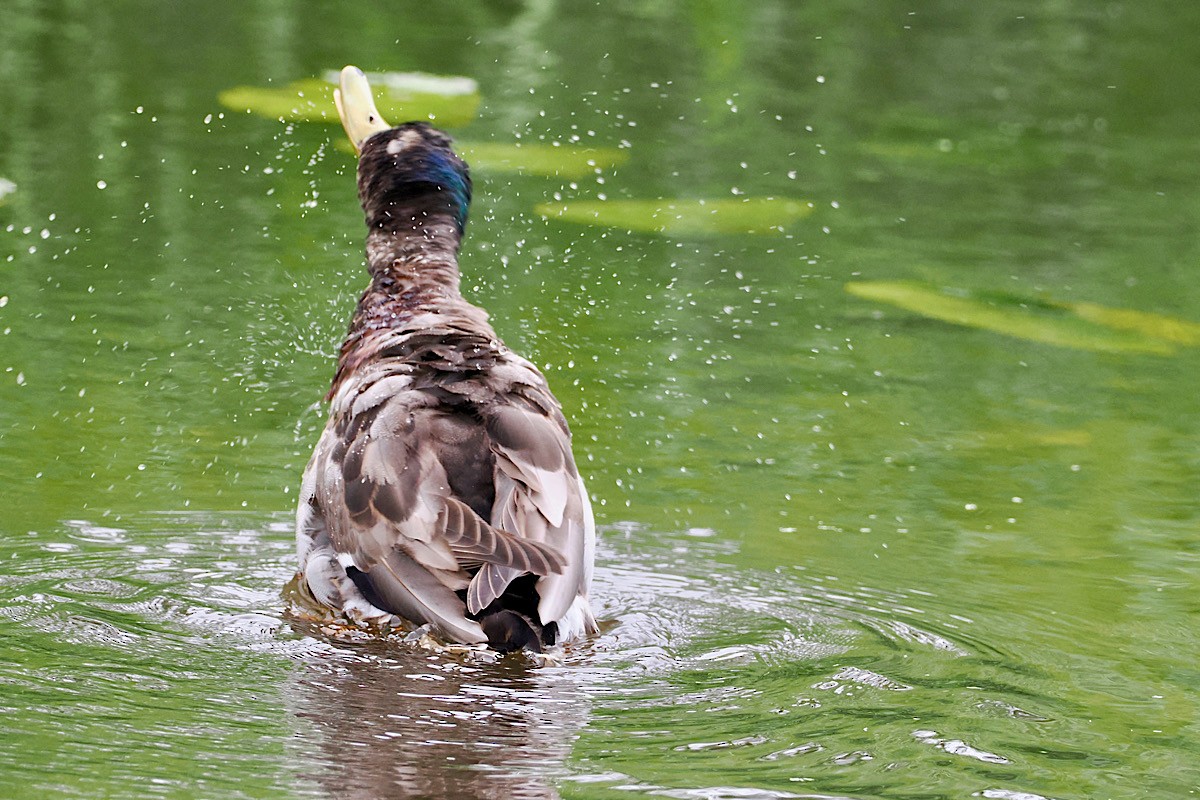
[848, 549]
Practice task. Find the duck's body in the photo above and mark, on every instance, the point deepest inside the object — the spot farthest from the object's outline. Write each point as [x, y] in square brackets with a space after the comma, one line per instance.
[443, 489]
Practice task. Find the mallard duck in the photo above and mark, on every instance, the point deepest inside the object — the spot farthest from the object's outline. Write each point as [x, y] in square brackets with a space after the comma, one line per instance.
[443, 490]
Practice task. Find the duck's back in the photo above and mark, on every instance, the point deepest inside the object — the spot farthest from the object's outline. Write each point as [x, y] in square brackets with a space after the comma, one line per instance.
[444, 491]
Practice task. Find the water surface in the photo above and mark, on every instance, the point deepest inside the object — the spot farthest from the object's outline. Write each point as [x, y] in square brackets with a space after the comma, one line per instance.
[849, 549]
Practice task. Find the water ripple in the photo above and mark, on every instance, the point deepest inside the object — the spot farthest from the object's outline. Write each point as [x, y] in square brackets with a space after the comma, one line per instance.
[749, 672]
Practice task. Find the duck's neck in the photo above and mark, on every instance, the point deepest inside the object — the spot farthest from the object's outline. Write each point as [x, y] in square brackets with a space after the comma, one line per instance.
[419, 256]
[414, 270]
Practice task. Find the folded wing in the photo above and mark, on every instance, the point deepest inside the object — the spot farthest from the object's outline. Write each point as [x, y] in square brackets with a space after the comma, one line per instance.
[405, 481]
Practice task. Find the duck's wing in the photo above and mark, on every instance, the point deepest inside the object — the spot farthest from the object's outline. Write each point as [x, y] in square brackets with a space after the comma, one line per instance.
[397, 472]
[538, 493]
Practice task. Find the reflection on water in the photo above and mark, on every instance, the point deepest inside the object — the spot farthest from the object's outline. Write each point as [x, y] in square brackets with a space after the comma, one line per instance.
[388, 719]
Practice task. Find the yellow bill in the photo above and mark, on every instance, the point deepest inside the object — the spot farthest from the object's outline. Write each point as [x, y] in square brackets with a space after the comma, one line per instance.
[356, 107]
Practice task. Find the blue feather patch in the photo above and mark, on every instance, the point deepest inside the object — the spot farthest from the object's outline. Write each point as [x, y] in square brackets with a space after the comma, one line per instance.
[449, 175]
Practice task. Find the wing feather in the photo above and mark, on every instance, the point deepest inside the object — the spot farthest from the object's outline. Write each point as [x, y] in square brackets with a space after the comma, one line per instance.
[408, 464]
[415, 594]
[470, 537]
[538, 492]
[488, 584]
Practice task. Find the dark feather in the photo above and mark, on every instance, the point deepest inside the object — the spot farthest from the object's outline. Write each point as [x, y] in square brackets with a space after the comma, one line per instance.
[508, 631]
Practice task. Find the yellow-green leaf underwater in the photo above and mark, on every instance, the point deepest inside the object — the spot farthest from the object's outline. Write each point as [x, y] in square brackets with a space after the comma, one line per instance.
[1083, 326]
[1158, 326]
[540, 158]
[449, 101]
[7, 187]
[764, 215]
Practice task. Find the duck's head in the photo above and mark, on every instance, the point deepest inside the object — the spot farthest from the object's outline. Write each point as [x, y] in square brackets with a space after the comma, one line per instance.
[406, 173]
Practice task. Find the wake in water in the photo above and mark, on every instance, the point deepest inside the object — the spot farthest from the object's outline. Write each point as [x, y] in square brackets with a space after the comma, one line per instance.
[761, 676]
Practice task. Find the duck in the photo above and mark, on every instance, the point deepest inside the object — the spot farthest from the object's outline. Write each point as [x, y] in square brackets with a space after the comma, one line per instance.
[443, 492]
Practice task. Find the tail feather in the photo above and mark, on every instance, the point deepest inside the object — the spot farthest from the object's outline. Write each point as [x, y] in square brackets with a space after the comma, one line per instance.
[511, 621]
[509, 630]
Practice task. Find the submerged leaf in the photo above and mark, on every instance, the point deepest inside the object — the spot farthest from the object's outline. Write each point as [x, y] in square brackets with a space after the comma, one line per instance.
[7, 187]
[767, 215]
[1053, 323]
[1126, 319]
[449, 101]
[531, 159]
[540, 159]
[308, 100]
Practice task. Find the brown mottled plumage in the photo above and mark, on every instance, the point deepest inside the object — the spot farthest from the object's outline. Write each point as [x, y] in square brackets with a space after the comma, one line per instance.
[443, 489]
